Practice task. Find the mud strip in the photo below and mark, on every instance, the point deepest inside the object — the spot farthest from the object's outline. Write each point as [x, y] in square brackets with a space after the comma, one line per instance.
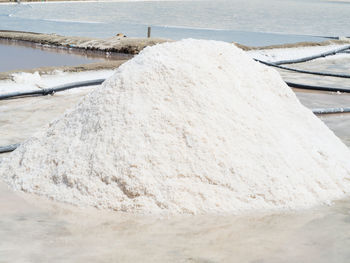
[79, 68]
[114, 44]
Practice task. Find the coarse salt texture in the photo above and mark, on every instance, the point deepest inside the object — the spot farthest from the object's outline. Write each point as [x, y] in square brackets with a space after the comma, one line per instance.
[186, 127]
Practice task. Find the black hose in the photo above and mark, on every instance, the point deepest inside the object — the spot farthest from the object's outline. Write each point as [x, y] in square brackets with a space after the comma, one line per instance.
[305, 59]
[305, 71]
[53, 90]
[331, 110]
[8, 148]
[309, 87]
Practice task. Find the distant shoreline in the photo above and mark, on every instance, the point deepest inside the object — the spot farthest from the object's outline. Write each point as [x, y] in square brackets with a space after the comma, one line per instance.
[30, 1]
[116, 43]
[128, 45]
[53, 1]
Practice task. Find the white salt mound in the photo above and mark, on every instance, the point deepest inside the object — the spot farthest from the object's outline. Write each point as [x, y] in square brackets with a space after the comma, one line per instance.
[186, 127]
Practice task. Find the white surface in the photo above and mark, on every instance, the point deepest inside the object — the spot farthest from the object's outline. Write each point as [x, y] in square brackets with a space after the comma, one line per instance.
[278, 54]
[186, 127]
[88, 1]
[32, 81]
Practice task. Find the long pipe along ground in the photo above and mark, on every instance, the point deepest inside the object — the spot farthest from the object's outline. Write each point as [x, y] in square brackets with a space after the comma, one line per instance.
[278, 64]
[325, 74]
[51, 91]
[309, 58]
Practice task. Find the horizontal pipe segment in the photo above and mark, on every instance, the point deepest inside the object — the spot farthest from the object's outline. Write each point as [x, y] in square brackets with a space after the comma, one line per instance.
[305, 59]
[305, 71]
[331, 110]
[8, 148]
[53, 90]
[320, 88]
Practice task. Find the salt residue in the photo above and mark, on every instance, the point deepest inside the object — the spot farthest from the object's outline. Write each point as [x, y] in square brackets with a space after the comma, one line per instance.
[27, 78]
[186, 127]
[27, 81]
[278, 54]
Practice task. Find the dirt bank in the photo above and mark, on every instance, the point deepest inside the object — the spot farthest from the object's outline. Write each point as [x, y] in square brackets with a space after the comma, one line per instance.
[47, 70]
[128, 45]
[114, 44]
[14, 1]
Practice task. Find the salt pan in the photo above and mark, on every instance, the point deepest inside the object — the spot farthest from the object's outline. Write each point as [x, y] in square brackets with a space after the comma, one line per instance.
[187, 127]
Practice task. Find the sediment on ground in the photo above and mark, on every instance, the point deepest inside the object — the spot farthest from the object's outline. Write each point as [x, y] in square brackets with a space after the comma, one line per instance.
[113, 44]
[131, 45]
[79, 68]
[14, 1]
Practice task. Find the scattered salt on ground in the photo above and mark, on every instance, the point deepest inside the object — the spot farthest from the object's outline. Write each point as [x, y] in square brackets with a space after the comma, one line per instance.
[186, 127]
[278, 54]
[30, 81]
[26, 78]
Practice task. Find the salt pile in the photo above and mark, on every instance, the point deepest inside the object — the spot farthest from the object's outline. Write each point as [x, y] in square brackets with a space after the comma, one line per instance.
[186, 127]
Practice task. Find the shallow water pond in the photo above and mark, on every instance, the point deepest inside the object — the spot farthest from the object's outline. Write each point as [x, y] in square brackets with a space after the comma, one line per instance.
[16, 57]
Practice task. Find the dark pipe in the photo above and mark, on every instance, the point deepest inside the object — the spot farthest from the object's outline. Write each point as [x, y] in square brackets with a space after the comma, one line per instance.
[309, 87]
[305, 71]
[331, 110]
[305, 59]
[52, 90]
[8, 148]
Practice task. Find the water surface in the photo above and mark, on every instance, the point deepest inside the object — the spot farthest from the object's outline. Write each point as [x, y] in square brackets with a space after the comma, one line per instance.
[252, 22]
[20, 56]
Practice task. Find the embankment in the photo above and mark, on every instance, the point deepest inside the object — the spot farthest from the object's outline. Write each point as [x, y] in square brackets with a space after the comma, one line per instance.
[114, 44]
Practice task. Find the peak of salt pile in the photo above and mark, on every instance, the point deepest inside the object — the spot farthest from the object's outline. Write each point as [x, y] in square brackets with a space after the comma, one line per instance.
[186, 127]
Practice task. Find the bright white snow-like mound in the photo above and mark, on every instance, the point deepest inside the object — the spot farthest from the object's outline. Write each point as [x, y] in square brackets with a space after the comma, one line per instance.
[186, 127]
